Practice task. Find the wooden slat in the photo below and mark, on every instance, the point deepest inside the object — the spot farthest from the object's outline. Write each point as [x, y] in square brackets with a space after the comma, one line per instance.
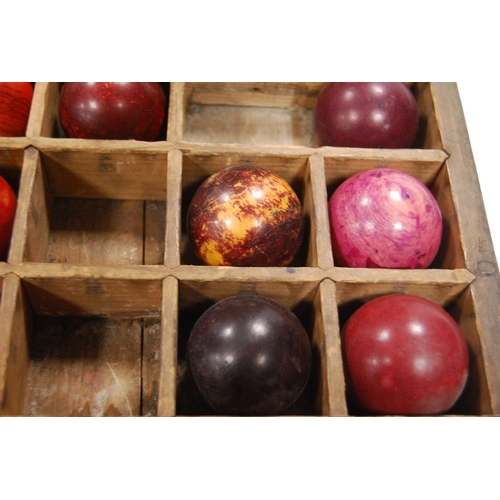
[473, 224]
[88, 296]
[428, 136]
[342, 164]
[320, 247]
[177, 106]
[450, 254]
[154, 249]
[15, 331]
[151, 366]
[44, 110]
[438, 285]
[68, 271]
[196, 288]
[326, 341]
[476, 398]
[266, 94]
[126, 170]
[168, 349]
[31, 226]
[174, 201]
[248, 278]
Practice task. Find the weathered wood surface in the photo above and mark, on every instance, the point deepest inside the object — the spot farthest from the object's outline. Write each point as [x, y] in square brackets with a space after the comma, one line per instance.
[31, 225]
[84, 367]
[100, 233]
[15, 330]
[474, 232]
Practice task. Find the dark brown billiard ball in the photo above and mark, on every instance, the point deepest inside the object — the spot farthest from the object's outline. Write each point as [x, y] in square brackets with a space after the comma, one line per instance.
[249, 355]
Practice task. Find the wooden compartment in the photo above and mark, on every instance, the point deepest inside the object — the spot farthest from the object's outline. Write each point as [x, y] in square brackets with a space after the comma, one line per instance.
[45, 120]
[101, 288]
[295, 169]
[82, 346]
[265, 114]
[312, 302]
[433, 172]
[92, 206]
[456, 298]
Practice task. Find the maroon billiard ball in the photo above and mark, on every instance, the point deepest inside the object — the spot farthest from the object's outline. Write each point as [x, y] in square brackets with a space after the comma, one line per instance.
[112, 110]
[404, 355]
[366, 115]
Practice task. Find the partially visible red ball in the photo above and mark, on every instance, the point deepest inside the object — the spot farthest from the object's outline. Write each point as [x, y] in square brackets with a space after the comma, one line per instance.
[15, 105]
[112, 110]
[404, 355]
[8, 204]
[366, 115]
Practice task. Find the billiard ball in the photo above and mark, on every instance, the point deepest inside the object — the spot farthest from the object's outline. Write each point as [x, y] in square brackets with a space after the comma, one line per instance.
[404, 355]
[366, 115]
[112, 110]
[245, 216]
[384, 218]
[249, 355]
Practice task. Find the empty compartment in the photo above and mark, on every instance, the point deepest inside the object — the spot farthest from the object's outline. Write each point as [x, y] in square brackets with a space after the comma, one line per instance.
[295, 169]
[324, 392]
[93, 207]
[80, 347]
[456, 299]
[268, 114]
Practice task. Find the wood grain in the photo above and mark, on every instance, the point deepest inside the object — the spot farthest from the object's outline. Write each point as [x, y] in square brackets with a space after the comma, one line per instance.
[326, 343]
[31, 226]
[15, 333]
[473, 225]
[43, 120]
[125, 170]
[84, 367]
[89, 232]
[100, 289]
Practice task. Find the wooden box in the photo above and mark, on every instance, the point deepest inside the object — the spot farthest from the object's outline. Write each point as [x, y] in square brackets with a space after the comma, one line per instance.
[101, 288]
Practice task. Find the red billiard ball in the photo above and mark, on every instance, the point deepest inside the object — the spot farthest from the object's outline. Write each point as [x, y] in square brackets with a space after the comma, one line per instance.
[404, 355]
[112, 110]
[15, 105]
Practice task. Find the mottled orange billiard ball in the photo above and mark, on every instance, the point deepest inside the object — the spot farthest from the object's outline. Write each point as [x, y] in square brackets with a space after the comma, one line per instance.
[245, 216]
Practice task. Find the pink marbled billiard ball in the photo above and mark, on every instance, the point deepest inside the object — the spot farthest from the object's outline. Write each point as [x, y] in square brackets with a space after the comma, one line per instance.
[384, 218]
